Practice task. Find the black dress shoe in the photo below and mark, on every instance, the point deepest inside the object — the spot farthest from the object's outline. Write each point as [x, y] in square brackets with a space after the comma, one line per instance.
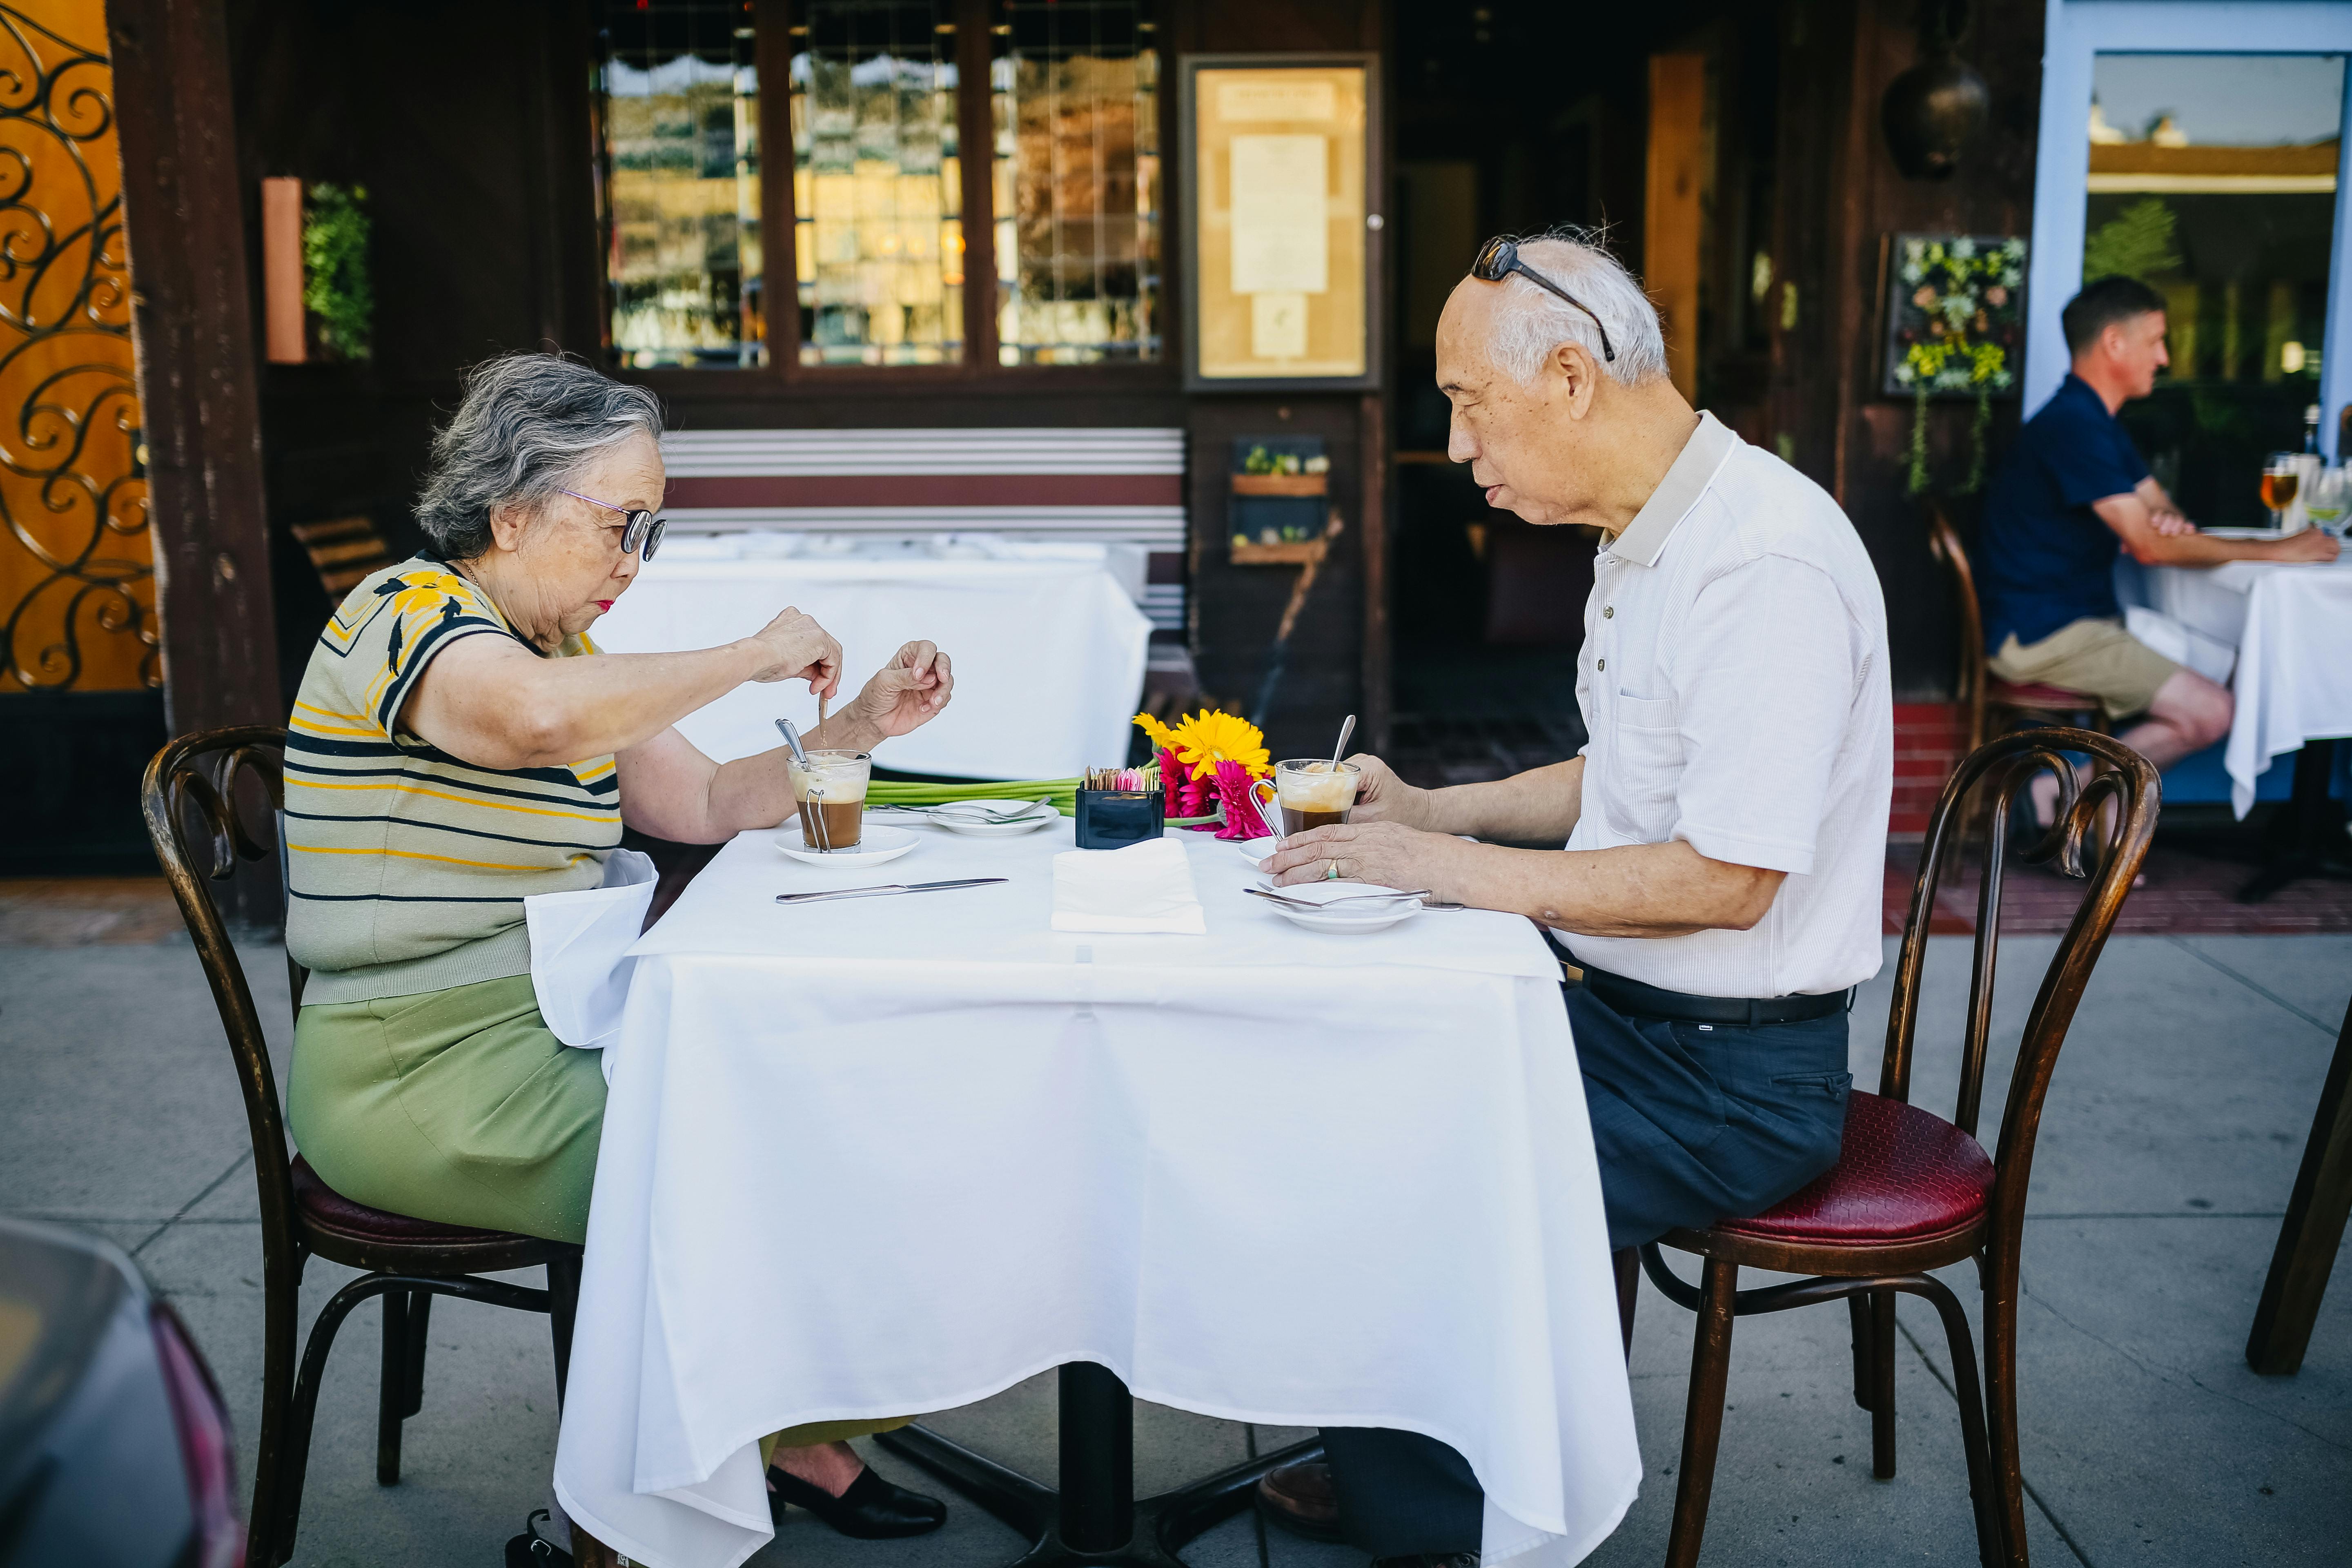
[871, 1510]
[1299, 1499]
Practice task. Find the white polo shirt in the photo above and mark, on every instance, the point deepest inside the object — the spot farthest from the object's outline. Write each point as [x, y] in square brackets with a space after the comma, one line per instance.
[1734, 683]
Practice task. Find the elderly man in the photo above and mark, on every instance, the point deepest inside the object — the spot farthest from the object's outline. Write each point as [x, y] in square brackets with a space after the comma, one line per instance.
[1725, 828]
[2071, 493]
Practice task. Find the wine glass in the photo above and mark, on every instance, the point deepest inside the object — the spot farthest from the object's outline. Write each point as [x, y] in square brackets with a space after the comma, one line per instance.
[2330, 497]
[2280, 480]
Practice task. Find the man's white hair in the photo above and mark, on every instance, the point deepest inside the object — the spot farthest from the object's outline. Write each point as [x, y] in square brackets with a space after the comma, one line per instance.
[1532, 321]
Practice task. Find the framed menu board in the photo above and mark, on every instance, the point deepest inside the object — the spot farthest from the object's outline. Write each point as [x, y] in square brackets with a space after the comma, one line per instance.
[1280, 231]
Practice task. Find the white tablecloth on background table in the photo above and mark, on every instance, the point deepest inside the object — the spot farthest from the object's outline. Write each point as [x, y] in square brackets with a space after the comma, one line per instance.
[882, 1156]
[2292, 624]
[1048, 648]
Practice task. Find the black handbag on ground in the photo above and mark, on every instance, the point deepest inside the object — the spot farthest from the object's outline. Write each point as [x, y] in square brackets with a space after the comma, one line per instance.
[532, 1550]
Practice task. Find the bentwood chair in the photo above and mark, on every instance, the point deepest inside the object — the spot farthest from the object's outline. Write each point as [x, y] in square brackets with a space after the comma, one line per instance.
[1912, 1192]
[1985, 698]
[198, 792]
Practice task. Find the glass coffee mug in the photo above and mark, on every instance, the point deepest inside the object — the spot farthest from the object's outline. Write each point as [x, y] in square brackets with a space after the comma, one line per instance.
[831, 795]
[1312, 795]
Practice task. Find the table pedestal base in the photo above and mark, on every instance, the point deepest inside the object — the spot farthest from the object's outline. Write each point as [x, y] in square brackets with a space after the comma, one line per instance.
[2311, 840]
[1094, 1517]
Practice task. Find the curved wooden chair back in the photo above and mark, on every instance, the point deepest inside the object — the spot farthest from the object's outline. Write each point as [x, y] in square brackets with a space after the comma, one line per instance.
[2102, 829]
[197, 797]
[1969, 683]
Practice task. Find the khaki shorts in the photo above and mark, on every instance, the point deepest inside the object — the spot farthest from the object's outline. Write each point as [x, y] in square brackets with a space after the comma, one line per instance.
[2095, 656]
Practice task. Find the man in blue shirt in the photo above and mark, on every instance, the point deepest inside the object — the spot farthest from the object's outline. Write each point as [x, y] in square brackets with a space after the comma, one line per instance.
[2072, 494]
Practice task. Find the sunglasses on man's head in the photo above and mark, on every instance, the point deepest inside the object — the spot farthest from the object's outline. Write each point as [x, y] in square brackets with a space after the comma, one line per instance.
[1500, 258]
[640, 536]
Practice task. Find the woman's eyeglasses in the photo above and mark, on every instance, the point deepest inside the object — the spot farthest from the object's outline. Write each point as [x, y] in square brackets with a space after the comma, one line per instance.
[640, 536]
[1500, 258]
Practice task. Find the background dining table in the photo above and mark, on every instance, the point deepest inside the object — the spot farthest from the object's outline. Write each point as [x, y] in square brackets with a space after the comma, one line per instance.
[2291, 624]
[875, 1157]
[1048, 645]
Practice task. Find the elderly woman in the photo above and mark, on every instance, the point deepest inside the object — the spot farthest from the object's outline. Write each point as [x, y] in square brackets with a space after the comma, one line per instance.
[454, 748]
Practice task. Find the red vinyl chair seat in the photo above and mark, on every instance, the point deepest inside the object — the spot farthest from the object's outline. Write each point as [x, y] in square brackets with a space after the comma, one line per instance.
[1902, 1174]
[2034, 694]
[339, 1215]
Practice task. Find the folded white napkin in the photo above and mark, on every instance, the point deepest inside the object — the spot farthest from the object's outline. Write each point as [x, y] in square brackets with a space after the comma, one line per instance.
[577, 945]
[1144, 888]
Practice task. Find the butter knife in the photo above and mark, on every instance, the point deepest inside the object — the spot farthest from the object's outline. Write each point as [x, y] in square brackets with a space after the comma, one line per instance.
[887, 889]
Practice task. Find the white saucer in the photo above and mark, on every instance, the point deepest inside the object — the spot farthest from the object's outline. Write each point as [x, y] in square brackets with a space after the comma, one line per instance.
[1256, 850]
[1349, 918]
[939, 817]
[875, 845]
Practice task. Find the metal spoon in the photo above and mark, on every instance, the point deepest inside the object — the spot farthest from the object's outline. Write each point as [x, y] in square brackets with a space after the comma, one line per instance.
[1346, 730]
[1327, 903]
[793, 738]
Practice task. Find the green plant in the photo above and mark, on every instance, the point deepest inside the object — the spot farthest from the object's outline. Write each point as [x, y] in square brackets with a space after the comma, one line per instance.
[2137, 242]
[336, 287]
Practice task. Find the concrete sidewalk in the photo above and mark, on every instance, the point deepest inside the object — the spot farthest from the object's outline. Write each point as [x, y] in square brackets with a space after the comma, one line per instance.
[2178, 1112]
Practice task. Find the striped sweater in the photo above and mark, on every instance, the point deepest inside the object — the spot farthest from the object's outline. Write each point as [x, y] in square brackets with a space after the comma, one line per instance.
[407, 867]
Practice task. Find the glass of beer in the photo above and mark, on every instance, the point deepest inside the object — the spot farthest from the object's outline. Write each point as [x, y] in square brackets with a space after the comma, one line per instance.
[830, 793]
[2280, 480]
[1312, 794]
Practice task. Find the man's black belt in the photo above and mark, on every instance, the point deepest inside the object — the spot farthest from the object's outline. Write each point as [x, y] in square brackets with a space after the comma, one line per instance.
[1657, 1002]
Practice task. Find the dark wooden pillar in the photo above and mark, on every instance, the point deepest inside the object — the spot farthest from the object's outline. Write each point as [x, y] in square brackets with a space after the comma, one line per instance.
[190, 320]
[191, 323]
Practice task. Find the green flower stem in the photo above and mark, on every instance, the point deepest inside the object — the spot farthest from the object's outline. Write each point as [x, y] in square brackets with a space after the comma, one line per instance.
[1918, 484]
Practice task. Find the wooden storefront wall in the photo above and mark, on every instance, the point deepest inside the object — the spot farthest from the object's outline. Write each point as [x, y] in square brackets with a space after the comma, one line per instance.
[484, 215]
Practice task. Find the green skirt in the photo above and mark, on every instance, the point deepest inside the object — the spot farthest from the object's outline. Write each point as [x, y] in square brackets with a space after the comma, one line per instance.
[461, 1107]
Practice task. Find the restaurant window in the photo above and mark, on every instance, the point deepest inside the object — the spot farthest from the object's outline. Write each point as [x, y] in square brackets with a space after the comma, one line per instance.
[872, 226]
[2212, 178]
[878, 210]
[679, 145]
[1074, 100]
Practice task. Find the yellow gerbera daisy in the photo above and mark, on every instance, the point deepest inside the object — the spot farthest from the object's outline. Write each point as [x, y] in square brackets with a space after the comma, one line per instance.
[1163, 739]
[1208, 738]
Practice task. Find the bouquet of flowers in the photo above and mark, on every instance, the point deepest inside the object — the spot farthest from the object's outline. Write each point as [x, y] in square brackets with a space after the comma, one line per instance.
[1207, 760]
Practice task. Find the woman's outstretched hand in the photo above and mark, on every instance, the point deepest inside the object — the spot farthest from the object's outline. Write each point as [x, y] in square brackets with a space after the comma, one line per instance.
[793, 646]
[905, 693]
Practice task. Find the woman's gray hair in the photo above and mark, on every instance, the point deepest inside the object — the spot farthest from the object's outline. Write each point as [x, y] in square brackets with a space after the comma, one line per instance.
[1533, 320]
[528, 424]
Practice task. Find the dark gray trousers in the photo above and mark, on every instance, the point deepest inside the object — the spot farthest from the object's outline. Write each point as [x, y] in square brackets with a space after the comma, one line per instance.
[1690, 1124]
[1401, 1493]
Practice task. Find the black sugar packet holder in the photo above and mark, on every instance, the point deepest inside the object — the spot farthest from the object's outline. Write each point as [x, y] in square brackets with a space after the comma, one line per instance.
[1115, 818]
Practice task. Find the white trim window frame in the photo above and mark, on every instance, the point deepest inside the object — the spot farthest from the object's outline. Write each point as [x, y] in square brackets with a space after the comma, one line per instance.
[2077, 31]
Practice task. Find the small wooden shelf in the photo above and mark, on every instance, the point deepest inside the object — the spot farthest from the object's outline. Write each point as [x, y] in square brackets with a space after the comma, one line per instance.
[1281, 484]
[1296, 552]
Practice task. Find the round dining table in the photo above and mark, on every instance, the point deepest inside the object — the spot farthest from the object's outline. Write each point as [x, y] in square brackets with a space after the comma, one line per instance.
[869, 1158]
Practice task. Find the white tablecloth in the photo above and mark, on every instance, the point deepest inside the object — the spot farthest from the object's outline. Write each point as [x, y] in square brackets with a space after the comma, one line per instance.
[2293, 626]
[883, 1156]
[1048, 648]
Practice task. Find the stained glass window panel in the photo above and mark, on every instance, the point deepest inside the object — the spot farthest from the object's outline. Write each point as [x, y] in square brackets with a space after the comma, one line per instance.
[1075, 101]
[877, 208]
[680, 128]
